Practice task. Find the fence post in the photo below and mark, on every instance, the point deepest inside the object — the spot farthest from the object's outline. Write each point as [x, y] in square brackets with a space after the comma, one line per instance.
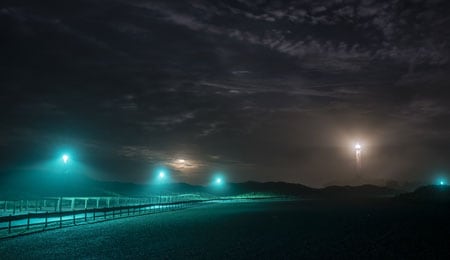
[46, 219]
[28, 220]
[9, 224]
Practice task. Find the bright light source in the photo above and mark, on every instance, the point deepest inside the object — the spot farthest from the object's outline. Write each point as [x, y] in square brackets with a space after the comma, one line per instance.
[162, 175]
[357, 146]
[441, 182]
[181, 161]
[65, 158]
[218, 180]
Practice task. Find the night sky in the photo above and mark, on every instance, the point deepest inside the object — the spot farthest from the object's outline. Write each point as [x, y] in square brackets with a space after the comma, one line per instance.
[257, 90]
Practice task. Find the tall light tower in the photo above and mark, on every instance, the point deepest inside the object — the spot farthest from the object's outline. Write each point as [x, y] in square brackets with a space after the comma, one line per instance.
[358, 157]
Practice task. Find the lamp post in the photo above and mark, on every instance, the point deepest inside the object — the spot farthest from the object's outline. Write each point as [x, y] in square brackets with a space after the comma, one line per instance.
[218, 184]
[65, 159]
[358, 157]
[161, 178]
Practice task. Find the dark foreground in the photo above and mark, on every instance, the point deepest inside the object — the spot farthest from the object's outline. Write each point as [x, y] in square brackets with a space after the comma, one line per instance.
[370, 229]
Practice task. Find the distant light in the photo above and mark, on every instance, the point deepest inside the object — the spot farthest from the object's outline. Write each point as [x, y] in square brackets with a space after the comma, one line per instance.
[441, 182]
[218, 180]
[357, 146]
[162, 175]
[181, 161]
[65, 158]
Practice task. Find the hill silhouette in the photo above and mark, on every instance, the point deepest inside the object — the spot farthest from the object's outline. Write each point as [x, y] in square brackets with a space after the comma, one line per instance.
[34, 185]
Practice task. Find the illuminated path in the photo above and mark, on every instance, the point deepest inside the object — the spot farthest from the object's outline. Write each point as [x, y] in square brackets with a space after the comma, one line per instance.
[373, 229]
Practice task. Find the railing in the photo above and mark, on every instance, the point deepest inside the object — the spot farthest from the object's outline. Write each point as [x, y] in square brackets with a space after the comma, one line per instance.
[53, 204]
[32, 221]
[23, 223]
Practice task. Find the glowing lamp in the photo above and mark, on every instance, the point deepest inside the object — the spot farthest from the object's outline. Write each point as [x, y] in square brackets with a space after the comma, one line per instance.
[65, 158]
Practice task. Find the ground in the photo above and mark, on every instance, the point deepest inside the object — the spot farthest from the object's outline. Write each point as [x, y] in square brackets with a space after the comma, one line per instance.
[364, 229]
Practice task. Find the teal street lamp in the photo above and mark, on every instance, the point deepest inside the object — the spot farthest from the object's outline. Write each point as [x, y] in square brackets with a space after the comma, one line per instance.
[441, 181]
[162, 178]
[65, 158]
[218, 180]
[161, 175]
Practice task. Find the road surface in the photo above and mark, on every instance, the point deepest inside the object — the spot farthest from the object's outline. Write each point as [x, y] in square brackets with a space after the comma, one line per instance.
[266, 230]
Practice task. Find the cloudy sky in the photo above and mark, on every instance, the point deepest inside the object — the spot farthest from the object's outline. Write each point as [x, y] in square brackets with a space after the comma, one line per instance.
[258, 90]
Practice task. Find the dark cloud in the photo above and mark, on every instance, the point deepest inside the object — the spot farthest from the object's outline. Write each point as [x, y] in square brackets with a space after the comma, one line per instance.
[265, 90]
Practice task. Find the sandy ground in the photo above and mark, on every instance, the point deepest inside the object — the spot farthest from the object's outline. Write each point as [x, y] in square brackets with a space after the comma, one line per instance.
[375, 229]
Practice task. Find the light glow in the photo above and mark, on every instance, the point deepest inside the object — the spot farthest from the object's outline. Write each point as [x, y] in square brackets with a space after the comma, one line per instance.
[358, 157]
[65, 158]
[442, 181]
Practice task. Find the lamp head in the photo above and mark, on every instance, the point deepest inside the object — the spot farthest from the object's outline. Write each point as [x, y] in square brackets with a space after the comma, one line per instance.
[65, 158]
